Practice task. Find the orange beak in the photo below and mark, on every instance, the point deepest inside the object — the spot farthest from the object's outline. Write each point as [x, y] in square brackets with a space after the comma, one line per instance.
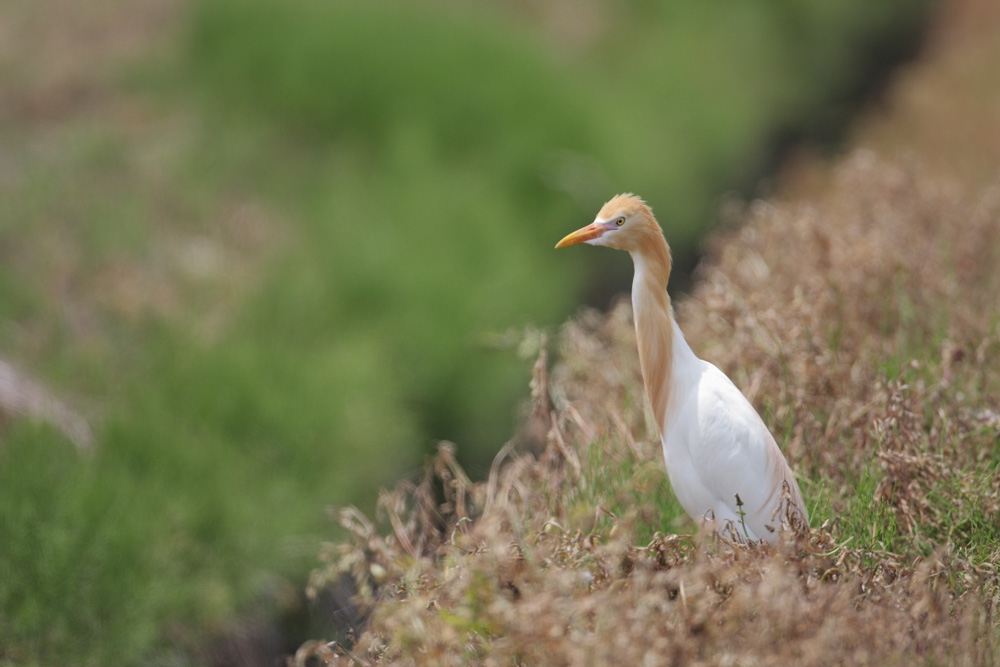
[591, 231]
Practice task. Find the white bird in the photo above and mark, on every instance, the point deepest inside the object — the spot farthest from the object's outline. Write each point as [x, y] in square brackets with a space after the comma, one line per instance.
[721, 459]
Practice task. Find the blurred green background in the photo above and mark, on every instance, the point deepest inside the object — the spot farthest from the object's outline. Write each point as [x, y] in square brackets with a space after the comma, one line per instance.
[268, 248]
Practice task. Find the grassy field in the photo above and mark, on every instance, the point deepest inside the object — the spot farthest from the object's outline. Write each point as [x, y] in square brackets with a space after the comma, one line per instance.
[270, 264]
[858, 311]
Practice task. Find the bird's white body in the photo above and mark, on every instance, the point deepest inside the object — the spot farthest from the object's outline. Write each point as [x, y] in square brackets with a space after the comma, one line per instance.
[715, 445]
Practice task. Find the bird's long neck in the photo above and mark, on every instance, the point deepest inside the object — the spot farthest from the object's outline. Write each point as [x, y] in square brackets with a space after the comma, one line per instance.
[654, 325]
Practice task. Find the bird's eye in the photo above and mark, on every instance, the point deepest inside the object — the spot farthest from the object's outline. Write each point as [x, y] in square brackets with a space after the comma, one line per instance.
[620, 221]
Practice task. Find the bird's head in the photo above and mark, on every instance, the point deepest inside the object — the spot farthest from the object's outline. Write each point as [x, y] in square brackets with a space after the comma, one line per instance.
[624, 222]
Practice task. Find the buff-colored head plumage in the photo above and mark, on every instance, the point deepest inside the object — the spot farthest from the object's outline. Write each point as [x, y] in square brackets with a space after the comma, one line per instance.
[626, 204]
[625, 222]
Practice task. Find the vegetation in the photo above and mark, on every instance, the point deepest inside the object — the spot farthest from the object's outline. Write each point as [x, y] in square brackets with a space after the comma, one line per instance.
[510, 152]
[229, 251]
[860, 315]
[881, 372]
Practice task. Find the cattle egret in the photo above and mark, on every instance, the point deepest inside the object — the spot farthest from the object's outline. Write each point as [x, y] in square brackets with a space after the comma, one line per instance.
[721, 459]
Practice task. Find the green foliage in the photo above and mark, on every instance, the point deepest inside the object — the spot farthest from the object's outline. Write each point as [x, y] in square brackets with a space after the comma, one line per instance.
[866, 519]
[371, 73]
[622, 485]
[421, 218]
[74, 570]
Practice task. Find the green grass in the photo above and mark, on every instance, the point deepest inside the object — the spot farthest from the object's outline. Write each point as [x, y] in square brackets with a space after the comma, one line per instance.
[622, 486]
[59, 589]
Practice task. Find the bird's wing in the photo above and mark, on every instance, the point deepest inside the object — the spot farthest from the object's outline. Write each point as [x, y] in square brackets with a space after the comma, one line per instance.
[738, 455]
